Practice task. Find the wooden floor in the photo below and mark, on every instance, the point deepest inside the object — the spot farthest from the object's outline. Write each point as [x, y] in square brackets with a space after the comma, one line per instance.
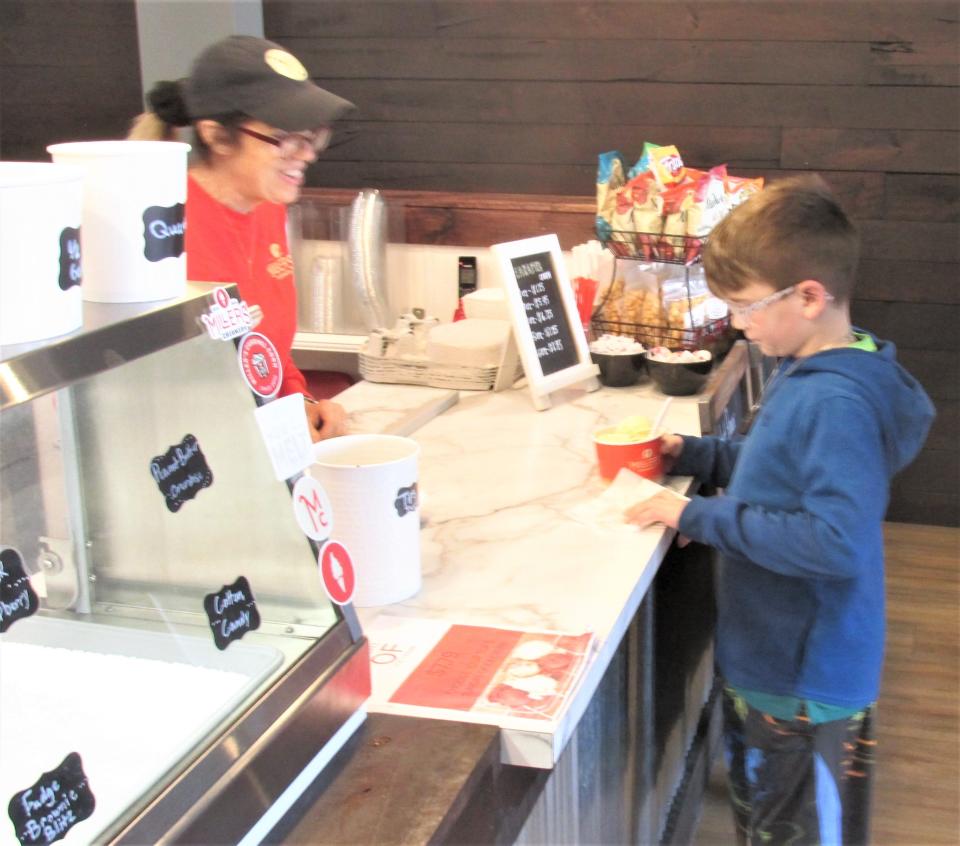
[917, 788]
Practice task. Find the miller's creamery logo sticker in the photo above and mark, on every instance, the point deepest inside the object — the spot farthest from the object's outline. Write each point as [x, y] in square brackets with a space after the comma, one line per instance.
[285, 64]
[282, 265]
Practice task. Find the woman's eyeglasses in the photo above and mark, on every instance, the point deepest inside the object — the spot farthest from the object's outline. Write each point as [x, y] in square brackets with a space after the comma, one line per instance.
[290, 144]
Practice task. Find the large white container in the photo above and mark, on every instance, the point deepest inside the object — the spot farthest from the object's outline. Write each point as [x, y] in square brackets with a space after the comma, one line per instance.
[133, 218]
[371, 481]
[40, 258]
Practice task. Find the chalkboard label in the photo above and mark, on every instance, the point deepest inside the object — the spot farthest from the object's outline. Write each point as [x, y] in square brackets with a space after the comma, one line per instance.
[544, 310]
[55, 803]
[163, 228]
[17, 597]
[232, 612]
[406, 500]
[181, 472]
[71, 268]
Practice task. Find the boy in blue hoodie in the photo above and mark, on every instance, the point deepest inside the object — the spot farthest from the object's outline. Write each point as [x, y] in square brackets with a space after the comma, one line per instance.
[800, 584]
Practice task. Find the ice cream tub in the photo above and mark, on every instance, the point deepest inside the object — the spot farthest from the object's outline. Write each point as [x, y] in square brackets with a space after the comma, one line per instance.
[372, 483]
[41, 267]
[629, 444]
[134, 196]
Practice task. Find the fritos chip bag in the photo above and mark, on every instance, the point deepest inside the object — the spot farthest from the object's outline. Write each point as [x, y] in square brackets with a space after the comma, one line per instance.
[666, 165]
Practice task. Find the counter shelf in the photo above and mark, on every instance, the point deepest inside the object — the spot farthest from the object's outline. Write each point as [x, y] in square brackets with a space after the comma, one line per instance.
[181, 739]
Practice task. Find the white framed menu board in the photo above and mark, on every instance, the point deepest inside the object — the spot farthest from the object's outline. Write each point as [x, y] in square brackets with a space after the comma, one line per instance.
[547, 331]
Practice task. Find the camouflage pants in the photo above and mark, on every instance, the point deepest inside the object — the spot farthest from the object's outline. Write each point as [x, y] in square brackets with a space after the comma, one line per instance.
[793, 782]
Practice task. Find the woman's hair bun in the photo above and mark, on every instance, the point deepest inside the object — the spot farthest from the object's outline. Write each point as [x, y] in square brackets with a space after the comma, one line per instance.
[167, 103]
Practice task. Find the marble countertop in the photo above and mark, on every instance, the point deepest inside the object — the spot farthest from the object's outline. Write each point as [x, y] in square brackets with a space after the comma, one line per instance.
[503, 488]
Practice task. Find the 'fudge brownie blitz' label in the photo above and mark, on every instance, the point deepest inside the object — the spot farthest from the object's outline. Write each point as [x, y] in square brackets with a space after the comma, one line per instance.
[163, 228]
[17, 597]
[232, 612]
[55, 803]
[71, 269]
[181, 472]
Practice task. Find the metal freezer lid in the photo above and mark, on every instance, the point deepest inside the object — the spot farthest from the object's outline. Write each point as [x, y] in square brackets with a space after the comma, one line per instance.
[111, 335]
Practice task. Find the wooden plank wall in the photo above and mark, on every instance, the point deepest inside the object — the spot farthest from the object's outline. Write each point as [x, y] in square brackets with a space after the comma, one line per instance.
[70, 72]
[519, 96]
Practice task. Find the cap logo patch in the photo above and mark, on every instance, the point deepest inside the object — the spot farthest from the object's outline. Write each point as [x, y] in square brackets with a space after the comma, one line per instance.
[285, 64]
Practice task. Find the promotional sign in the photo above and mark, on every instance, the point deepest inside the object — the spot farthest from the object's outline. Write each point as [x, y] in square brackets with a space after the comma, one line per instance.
[312, 508]
[232, 612]
[286, 435]
[260, 364]
[181, 472]
[337, 573]
[547, 331]
[227, 318]
[17, 597]
[51, 806]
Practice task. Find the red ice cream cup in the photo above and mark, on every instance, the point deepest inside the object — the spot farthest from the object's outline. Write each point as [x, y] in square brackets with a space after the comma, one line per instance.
[642, 457]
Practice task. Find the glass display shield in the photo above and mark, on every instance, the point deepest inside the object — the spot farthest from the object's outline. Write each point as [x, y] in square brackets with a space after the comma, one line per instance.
[155, 582]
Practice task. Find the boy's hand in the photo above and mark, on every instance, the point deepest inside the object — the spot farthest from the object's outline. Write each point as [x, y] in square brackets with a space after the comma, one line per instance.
[670, 448]
[664, 508]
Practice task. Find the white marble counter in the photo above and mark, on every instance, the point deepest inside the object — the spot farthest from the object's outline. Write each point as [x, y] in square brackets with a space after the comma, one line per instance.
[500, 547]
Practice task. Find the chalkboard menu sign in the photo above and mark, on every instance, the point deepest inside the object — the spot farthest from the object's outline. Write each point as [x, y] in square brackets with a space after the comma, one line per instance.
[51, 806]
[17, 597]
[547, 331]
[543, 308]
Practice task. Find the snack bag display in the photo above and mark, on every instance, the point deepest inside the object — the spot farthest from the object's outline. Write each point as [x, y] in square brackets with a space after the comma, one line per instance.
[666, 165]
[646, 214]
[610, 179]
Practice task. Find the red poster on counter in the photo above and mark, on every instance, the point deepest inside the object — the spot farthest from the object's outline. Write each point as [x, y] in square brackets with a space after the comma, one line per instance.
[500, 671]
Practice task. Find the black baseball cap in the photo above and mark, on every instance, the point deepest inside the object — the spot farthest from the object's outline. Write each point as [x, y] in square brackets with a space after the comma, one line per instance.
[263, 80]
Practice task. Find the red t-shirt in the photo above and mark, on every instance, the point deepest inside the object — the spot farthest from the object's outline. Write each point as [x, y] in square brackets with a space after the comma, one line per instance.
[224, 245]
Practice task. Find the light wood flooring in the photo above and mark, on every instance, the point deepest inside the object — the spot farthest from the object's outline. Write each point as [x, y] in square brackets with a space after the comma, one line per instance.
[917, 787]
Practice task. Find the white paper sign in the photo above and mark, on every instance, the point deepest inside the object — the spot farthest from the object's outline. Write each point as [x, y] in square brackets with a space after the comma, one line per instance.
[286, 436]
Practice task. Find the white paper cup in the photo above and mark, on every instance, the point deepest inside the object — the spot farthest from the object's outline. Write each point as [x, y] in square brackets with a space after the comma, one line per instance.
[40, 263]
[133, 218]
[371, 481]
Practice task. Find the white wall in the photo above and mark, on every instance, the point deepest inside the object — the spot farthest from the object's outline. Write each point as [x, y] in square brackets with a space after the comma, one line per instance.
[172, 32]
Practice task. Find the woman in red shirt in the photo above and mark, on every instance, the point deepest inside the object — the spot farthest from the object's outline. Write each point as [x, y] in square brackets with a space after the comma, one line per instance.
[259, 122]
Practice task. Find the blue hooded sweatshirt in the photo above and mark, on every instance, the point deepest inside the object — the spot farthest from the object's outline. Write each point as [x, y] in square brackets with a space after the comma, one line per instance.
[800, 588]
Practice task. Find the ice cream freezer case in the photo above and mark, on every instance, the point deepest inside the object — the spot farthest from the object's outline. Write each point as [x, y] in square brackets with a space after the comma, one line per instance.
[169, 659]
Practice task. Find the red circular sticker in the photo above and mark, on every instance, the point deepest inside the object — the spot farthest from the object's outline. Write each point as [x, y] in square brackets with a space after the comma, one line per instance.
[337, 573]
[260, 364]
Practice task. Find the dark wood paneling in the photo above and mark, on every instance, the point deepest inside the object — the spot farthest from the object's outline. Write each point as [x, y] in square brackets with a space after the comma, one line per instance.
[533, 58]
[707, 20]
[704, 104]
[909, 281]
[924, 196]
[470, 142]
[902, 150]
[912, 325]
[71, 71]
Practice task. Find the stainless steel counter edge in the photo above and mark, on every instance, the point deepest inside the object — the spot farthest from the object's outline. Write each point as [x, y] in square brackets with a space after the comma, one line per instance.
[112, 334]
[225, 791]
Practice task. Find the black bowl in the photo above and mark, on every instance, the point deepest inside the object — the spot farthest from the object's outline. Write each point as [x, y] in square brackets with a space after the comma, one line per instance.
[681, 378]
[618, 371]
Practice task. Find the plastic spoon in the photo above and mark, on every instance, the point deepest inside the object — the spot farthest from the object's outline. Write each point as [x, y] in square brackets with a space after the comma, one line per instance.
[660, 416]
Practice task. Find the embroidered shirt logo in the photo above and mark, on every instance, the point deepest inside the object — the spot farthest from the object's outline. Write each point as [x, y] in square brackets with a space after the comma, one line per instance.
[282, 264]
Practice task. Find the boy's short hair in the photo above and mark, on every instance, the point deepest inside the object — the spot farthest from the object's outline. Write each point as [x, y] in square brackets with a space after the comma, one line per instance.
[792, 230]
